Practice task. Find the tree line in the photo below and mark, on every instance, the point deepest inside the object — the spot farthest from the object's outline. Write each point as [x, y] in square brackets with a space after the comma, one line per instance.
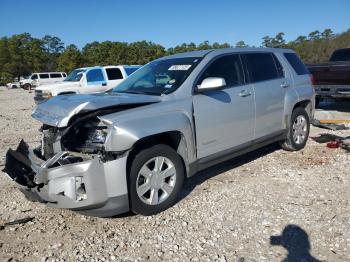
[22, 54]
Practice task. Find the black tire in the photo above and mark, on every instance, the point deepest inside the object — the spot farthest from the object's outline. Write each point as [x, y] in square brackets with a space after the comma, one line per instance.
[137, 205]
[27, 86]
[290, 144]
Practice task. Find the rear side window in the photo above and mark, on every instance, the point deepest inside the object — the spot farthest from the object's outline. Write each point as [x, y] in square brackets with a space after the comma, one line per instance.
[228, 67]
[43, 76]
[263, 66]
[55, 75]
[114, 73]
[95, 75]
[296, 63]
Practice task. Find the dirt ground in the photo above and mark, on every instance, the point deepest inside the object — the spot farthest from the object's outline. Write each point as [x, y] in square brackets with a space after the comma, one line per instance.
[268, 205]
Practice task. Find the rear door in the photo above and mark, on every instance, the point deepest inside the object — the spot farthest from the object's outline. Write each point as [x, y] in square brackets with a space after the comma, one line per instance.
[224, 118]
[114, 76]
[269, 82]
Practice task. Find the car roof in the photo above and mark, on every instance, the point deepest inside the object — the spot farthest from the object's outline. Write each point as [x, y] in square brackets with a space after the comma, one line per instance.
[202, 53]
[48, 73]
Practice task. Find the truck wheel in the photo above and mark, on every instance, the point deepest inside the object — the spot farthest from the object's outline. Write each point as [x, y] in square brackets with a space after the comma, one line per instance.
[155, 180]
[298, 130]
[27, 86]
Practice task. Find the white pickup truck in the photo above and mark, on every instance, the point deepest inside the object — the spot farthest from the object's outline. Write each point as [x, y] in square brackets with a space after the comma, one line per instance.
[86, 80]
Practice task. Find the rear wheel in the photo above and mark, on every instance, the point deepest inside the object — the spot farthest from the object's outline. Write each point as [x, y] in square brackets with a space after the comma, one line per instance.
[155, 180]
[298, 130]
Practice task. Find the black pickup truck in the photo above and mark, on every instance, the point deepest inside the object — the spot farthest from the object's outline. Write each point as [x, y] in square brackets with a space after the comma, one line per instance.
[332, 79]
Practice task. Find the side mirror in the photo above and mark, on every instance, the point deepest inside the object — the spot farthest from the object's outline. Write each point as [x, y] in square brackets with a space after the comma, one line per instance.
[211, 83]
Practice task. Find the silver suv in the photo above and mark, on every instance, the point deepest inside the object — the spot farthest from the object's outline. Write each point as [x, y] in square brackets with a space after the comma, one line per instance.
[132, 147]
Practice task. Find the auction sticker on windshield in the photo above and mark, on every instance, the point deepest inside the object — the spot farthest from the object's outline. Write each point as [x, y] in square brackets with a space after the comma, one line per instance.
[179, 67]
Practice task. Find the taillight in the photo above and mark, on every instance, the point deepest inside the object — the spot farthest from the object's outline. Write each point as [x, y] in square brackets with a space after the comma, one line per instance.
[312, 79]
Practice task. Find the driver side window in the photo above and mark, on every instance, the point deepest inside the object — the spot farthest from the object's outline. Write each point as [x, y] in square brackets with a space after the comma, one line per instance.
[228, 67]
[95, 76]
[34, 77]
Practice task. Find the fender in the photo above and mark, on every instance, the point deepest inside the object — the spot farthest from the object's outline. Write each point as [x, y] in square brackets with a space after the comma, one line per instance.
[124, 134]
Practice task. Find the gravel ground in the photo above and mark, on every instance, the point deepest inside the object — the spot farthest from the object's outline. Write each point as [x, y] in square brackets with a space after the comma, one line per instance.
[226, 213]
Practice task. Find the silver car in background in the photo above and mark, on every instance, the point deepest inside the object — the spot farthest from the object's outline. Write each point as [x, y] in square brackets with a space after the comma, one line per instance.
[132, 148]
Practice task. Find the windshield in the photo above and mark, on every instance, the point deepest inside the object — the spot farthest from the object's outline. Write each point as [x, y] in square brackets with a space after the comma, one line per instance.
[159, 77]
[75, 75]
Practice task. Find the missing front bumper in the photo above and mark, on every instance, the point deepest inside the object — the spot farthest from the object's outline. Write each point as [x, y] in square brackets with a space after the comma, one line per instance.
[87, 185]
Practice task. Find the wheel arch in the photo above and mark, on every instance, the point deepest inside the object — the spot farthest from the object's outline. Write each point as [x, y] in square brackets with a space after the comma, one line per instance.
[291, 105]
[175, 139]
[307, 105]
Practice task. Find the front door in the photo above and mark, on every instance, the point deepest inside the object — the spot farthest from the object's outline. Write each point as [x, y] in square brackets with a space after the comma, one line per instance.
[95, 81]
[224, 118]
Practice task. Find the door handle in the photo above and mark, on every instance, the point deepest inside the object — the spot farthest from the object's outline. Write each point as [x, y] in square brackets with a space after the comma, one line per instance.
[284, 85]
[244, 93]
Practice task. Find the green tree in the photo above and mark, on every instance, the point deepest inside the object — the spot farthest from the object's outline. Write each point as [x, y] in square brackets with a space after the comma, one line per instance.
[327, 34]
[36, 56]
[19, 51]
[267, 41]
[69, 59]
[5, 57]
[52, 46]
[315, 35]
[278, 41]
[241, 44]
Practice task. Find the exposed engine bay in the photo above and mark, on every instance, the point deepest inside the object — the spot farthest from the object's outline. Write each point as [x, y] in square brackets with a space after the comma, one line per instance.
[85, 134]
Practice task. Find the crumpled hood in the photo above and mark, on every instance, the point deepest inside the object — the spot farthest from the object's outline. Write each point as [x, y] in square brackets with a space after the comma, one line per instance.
[58, 110]
[58, 86]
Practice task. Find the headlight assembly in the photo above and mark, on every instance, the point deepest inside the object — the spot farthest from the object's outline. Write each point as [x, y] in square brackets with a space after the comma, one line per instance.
[47, 94]
[98, 135]
[93, 138]
[88, 137]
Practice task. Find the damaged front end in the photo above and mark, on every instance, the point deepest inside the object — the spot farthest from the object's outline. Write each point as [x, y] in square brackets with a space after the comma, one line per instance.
[72, 170]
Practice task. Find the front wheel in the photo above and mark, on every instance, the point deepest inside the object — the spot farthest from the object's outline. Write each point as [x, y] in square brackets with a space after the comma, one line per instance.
[155, 180]
[27, 86]
[298, 130]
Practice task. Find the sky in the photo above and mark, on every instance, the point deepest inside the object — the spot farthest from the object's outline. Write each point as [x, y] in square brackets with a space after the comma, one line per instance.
[170, 23]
